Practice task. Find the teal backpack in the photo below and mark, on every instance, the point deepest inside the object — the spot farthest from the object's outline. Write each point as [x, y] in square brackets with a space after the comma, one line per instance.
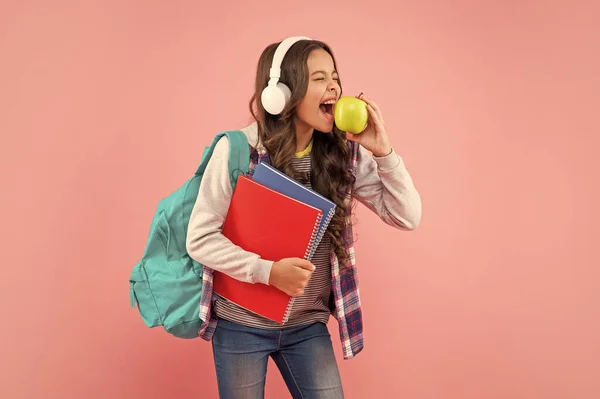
[166, 283]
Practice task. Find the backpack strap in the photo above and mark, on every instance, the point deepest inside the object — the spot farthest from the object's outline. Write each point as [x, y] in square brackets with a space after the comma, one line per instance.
[239, 154]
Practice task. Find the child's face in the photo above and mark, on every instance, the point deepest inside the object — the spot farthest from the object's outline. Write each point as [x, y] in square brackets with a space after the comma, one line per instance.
[323, 87]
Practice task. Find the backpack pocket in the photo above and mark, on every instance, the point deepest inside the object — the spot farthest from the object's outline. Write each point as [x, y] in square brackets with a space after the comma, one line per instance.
[141, 295]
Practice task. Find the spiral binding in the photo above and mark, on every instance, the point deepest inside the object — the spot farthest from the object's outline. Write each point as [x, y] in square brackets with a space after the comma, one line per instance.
[307, 255]
[321, 233]
[288, 310]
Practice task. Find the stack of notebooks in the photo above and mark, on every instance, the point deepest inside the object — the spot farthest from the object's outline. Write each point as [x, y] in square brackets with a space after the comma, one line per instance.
[275, 217]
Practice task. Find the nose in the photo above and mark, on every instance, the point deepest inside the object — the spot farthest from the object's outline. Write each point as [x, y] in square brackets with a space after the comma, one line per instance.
[333, 86]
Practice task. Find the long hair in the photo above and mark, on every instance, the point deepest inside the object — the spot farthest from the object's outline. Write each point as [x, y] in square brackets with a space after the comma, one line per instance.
[331, 165]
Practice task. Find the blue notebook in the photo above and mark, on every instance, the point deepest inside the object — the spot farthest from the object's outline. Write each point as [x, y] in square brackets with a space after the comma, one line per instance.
[271, 177]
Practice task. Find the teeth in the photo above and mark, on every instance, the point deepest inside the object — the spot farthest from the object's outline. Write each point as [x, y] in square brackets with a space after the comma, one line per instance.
[329, 102]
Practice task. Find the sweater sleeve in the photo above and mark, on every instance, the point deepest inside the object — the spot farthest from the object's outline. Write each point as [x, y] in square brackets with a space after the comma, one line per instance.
[205, 242]
[384, 185]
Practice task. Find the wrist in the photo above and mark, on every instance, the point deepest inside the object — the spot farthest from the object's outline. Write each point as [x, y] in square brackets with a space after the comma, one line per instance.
[274, 273]
[384, 152]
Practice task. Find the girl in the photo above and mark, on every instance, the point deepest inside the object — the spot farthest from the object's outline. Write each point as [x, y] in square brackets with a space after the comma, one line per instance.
[303, 142]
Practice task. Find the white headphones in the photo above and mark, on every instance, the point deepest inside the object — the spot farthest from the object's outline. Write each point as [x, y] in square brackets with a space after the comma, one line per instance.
[275, 96]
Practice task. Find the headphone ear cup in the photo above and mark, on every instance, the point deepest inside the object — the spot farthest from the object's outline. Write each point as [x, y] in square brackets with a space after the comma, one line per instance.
[287, 93]
[274, 98]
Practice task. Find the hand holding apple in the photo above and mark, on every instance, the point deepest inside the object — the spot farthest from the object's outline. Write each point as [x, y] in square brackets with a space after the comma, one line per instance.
[371, 133]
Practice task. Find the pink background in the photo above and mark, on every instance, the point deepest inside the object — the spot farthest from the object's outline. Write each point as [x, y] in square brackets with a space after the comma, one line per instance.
[105, 107]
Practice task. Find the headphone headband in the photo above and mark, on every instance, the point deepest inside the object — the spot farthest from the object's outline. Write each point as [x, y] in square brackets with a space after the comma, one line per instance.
[282, 49]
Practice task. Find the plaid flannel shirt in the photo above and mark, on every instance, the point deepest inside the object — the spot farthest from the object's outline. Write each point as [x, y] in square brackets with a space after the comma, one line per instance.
[344, 281]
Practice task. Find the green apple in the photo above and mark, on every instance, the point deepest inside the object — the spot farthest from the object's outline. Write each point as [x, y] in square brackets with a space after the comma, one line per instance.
[351, 114]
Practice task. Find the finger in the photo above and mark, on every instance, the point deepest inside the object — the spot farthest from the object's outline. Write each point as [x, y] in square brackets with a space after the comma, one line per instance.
[366, 99]
[374, 105]
[353, 137]
[304, 264]
[374, 116]
[306, 279]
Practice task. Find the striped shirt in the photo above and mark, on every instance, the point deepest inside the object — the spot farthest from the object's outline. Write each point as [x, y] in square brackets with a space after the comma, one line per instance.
[313, 305]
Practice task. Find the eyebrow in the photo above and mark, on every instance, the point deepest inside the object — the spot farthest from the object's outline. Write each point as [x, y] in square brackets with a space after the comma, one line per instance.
[323, 72]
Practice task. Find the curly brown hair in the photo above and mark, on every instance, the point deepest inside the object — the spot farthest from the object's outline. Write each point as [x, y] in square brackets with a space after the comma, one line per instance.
[330, 156]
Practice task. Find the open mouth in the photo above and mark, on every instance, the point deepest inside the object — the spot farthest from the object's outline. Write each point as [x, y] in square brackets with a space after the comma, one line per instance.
[327, 109]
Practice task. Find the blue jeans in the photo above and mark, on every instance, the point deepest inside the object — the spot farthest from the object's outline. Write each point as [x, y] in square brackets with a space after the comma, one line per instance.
[304, 356]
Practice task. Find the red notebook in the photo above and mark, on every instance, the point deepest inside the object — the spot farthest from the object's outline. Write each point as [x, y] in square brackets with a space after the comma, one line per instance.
[274, 226]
